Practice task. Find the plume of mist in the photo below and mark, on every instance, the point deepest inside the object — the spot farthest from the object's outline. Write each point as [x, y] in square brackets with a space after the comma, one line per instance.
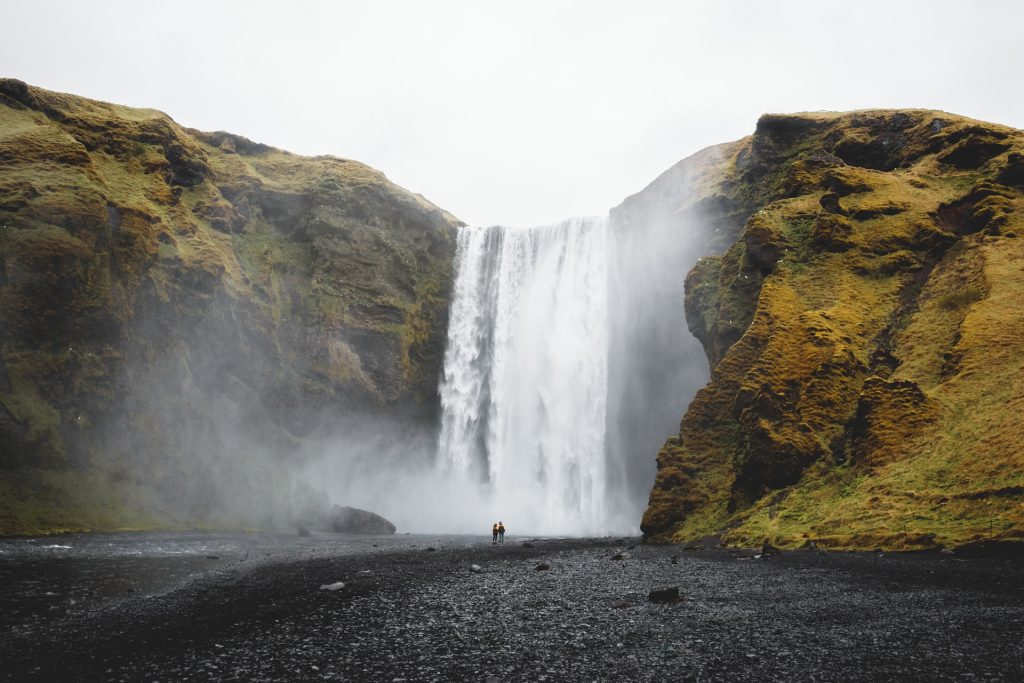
[213, 430]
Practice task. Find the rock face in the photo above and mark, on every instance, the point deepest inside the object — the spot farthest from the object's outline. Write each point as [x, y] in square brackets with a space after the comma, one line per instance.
[180, 309]
[347, 520]
[864, 330]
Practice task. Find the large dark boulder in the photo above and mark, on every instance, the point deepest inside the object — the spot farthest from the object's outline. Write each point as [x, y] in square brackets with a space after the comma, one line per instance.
[346, 520]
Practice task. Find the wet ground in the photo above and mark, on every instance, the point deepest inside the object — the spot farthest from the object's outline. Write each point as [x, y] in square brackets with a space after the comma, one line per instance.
[246, 607]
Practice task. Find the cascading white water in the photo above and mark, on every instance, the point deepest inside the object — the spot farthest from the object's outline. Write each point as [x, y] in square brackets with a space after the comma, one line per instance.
[525, 387]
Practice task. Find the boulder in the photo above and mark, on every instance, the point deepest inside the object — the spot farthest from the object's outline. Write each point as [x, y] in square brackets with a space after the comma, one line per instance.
[664, 595]
[348, 520]
[336, 586]
[543, 567]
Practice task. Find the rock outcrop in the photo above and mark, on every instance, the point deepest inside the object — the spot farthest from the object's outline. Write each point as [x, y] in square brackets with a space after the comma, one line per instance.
[170, 297]
[865, 335]
[349, 520]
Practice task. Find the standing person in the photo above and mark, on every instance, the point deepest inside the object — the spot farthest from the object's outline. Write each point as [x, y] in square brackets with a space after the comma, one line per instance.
[494, 534]
[501, 532]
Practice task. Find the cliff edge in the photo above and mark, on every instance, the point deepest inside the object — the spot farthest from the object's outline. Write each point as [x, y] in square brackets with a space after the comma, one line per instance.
[865, 335]
[171, 297]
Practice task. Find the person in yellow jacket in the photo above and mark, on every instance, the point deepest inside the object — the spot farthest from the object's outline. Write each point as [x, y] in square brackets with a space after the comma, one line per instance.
[494, 534]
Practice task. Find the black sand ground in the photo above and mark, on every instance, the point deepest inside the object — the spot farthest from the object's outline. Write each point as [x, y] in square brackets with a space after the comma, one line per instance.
[412, 613]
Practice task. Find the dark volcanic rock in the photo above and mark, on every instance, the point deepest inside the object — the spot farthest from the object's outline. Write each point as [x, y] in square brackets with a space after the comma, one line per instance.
[410, 615]
[347, 520]
[664, 595]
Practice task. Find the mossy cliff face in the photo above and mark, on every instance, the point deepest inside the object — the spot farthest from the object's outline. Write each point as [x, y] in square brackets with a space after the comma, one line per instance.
[158, 283]
[865, 334]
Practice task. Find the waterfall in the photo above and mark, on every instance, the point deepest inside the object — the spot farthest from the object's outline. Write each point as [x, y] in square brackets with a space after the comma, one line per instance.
[525, 387]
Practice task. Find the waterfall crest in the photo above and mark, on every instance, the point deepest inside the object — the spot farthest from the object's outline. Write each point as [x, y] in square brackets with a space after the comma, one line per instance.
[525, 387]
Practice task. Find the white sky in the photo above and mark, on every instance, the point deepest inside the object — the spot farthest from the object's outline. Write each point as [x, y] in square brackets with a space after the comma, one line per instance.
[518, 112]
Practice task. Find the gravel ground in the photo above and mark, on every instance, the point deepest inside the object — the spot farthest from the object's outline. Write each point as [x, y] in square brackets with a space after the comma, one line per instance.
[417, 613]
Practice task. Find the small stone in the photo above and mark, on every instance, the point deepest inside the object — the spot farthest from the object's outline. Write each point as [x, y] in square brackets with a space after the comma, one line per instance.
[620, 604]
[543, 567]
[336, 586]
[528, 545]
[431, 549]
[475, 568]
[946, 551]
[664, 595]
[618, 556]
[213, 557]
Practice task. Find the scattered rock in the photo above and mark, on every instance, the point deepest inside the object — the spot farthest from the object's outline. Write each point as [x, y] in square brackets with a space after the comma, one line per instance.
[528, 545]
[304, 532]
[674, 559]
[475, 568]
[336, 586]
[543, 567]
[431, 549]
[664, 595]
[620, 604]
[946, 551]
[618, 556]
[213, 557]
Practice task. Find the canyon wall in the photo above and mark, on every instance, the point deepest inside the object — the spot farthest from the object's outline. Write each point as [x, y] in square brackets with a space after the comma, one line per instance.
[864, 329]
[184, 312]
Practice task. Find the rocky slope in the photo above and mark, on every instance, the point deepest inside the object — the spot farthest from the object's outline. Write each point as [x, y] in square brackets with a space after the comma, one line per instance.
[865, 333]
[170, 297]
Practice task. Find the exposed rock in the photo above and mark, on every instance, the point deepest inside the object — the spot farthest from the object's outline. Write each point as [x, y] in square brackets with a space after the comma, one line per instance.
[542, 567]
[830, 202]
[336, 586]
[857, 329]
[349, 520]
[664, 595]
[166, 292]
[475, 568]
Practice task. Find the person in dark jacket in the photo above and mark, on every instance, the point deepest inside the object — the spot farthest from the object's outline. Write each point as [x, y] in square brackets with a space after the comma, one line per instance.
[501, 532]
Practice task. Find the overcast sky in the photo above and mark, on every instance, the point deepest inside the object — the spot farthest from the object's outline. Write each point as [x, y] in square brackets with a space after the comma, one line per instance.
[518, 112]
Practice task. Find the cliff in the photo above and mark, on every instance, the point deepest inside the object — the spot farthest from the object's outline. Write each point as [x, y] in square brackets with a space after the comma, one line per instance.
[169, 297]
[864, 331]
